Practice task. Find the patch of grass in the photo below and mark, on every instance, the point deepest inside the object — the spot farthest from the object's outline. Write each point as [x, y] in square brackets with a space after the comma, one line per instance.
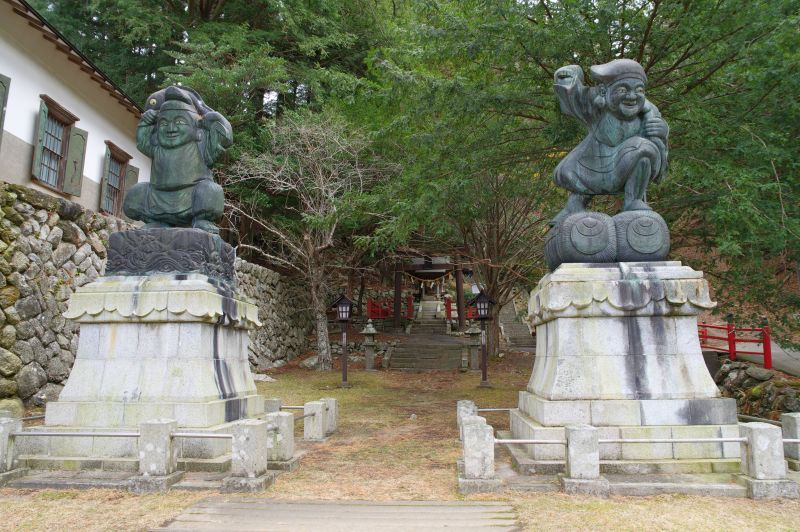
[89, 510]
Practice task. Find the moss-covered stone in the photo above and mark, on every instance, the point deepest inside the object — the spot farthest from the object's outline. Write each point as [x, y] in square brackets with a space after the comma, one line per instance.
[9, 295]
[13, 405]
[36, 198]
[10, 363]
[12, 215]
[8, 388]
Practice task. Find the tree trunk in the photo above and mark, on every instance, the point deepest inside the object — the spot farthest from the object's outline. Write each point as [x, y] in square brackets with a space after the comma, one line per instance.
[493, 333]
[320, 307]
[360, 294]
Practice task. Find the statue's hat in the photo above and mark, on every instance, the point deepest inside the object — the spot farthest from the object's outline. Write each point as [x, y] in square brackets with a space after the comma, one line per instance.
[177, 99]
[618, 69]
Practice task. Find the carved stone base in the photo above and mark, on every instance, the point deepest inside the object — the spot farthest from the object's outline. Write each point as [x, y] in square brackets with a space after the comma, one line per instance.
[171, 251]
[617, 348]
[169, 346]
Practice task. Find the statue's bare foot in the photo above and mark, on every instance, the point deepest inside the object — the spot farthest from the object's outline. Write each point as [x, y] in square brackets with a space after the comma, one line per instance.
[575, 203]
[636, 205]
[206, 226]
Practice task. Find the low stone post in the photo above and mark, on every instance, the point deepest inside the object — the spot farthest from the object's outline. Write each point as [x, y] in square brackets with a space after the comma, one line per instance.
[464, 408]
[331, 414]
[583, 462]
[387, 355]
[763, 467]
[7, 448]
[474, 334]
[158, 457]
[369, 333]
[280, 441]
[476, 467]
[272, 404]
[314, 425]
[249, 455]
[791, 431]
[478, 448]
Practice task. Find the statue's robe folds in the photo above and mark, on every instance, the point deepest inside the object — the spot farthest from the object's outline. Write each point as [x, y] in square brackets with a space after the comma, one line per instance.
[604, 161]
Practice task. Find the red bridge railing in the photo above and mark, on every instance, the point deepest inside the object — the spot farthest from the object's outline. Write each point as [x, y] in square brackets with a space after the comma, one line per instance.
[728, 342]
[379, 309]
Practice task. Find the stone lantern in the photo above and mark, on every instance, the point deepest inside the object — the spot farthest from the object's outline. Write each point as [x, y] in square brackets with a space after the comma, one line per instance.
[474, 333]
[369, 333]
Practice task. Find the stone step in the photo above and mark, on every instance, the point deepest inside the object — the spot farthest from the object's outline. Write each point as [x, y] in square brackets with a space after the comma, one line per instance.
[221, 513]
[515, 343]
[647, 485]
[524, 464]
[429, 357]
[425, 365]
[428, 351]
[127, 465]
[68, 480]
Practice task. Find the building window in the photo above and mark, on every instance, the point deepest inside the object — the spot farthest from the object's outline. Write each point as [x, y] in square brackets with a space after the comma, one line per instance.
[118, 175]
[60, 149]
[54, 152]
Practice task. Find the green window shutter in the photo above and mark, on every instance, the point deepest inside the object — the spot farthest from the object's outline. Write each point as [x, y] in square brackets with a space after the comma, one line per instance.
[37, 151]
[76, 153]
[5, 84]
[104, 207]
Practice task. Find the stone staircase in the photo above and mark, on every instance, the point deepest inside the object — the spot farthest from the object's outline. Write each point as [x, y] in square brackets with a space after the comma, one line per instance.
[429, 321]
[516, 333]
[428, 347]
[422, 356]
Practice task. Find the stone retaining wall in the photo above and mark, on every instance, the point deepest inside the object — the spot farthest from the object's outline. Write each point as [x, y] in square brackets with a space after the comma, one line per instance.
[49, 247]
[758, 392]
[284, 309]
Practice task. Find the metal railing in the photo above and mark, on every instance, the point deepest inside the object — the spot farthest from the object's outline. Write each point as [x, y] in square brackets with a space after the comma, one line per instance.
[77, 434]
[639, 440]
[211, 435]
[532, 442]
[104, 434]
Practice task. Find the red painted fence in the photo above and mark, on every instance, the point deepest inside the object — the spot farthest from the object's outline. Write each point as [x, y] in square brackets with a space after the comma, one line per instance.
[758, 335]
[471, 312]
[378, 309]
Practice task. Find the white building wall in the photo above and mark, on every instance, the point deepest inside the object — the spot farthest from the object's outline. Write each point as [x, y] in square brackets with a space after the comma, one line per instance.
[36, 67]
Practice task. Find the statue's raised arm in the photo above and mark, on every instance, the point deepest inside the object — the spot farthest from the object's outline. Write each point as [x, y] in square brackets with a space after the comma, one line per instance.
[573, 96]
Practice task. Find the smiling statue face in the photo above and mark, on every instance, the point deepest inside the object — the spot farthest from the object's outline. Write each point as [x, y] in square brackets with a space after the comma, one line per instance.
[176, 128]
[626, 98]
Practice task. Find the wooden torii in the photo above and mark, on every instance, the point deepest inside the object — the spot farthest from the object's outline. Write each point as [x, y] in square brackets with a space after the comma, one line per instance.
[432, 270]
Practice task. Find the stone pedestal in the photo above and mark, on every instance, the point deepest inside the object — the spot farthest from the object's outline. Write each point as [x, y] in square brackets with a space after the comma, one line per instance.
[617, 348]
[171, 346]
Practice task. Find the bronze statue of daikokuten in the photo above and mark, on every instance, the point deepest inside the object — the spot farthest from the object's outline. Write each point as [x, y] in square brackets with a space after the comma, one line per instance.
[184, 138]
[626, 146]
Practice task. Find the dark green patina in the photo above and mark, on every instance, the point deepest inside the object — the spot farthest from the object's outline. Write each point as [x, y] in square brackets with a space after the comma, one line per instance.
[624, 151]
[184, 137]
[626, 147]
